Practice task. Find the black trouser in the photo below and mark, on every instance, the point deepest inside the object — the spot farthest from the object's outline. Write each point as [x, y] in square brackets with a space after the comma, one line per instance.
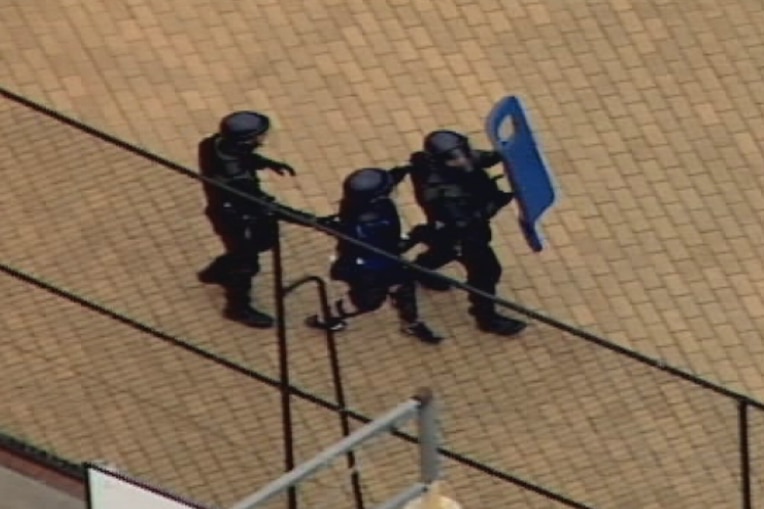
[479, 260]
[243, 242]
[369, 289]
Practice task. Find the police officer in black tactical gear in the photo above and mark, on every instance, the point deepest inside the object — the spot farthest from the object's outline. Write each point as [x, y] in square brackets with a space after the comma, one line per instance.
[245, 227]
[367, 213]
[459, 198]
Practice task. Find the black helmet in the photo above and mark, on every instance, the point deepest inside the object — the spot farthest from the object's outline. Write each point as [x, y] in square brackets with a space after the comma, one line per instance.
[367, 184]
[441, 144]
[244, 126]
[451, 148]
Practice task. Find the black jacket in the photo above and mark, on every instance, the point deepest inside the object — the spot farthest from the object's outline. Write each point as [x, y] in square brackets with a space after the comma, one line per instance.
[452, 197]
[377, 223]
[238, 171]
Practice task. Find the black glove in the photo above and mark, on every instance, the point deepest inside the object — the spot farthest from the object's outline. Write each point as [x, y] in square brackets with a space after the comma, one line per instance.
[282, 168]
[488, 158]
[420, 233]
[504, 198]
[500, 200]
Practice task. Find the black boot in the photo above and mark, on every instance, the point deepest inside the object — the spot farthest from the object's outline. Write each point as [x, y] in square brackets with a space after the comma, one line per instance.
[494, 323]
[422, 332]
[216, 273]
[333, 323]
[238, 303]
[249, 316]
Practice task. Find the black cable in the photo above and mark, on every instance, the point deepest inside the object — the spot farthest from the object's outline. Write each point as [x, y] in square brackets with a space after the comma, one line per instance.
[305, 219]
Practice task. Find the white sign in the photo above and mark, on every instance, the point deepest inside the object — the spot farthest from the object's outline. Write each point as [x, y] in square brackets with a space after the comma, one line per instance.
[110, 490]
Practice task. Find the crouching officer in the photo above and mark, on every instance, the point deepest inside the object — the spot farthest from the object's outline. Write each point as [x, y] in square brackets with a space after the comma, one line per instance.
[367, 213]
[459, 198]
[245, 227]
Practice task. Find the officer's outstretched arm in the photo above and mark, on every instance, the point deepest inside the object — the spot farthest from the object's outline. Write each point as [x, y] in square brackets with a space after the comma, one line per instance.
[487, 158]
[399, 173]
[279, 167]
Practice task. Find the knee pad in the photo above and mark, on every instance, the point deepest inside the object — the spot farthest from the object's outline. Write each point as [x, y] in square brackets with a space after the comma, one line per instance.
[485, 275]
[244, 263]
[367, 299]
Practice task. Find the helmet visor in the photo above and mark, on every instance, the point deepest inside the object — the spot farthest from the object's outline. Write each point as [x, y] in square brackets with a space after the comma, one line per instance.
[458, 158]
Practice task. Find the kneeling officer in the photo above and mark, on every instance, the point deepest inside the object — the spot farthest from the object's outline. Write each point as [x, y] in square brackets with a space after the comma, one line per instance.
[367, 213]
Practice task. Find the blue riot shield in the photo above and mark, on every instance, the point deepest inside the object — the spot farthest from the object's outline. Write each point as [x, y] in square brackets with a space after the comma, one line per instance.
[524, 165]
